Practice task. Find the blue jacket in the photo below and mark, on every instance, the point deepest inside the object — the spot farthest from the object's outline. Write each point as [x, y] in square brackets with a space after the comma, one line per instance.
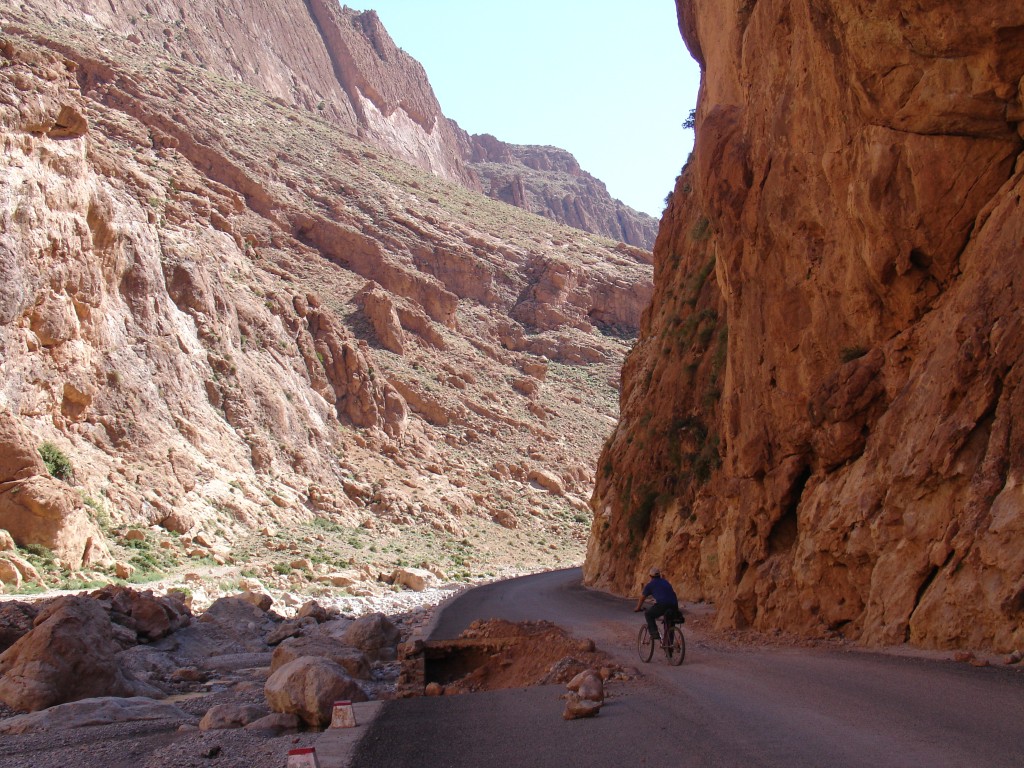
[661, 591]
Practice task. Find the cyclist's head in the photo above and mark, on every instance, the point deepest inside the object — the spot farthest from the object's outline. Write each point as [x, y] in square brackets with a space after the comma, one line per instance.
[655, 571]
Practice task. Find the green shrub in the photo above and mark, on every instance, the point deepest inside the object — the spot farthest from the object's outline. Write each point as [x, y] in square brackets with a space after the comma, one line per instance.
[57, 463]
[707, 460]
[640, 518]
[78, 585]
[38, 555]
[99, 511]
[145, 576]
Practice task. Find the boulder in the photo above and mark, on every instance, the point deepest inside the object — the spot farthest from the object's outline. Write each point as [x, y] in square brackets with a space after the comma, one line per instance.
[351, 659]
[70, 124]
[375, 635]
[224, 716]
[258, 598]
[308, 687]
[23, 570]
[46, 511]
[292, 628]
[6, 541]
[69, 655]
[149, 616]
[342, 579]
[588, 685]
[335, 628]
[9, 574]
[416, 579]
[248, 624]
[575, 708]
[123, 570]
[547, 481]
[312, 610]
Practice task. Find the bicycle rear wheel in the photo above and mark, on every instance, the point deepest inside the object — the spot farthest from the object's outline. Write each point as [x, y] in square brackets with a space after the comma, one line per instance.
[676, 652]
[644, 644]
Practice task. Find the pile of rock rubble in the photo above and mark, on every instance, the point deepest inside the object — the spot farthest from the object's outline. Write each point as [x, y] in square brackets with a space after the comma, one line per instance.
[123, 654]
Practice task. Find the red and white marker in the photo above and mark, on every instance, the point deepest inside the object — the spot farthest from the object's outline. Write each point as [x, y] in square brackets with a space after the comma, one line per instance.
[343, 716]
[303, 758]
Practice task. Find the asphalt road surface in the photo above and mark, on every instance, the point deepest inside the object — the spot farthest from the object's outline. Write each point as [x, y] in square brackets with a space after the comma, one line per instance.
[724, 707]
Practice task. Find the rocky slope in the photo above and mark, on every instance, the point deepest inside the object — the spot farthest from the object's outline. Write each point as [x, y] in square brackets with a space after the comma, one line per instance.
[821, 421]
[220, 314]
[342, 66]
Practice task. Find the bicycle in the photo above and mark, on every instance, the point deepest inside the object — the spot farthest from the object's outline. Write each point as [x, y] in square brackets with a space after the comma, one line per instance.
[672, 641]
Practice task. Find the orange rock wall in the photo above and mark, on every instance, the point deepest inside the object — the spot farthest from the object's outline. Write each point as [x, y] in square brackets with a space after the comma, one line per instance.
[821, 421]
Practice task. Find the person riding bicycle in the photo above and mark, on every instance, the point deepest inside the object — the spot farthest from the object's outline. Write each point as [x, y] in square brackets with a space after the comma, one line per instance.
[665, 600]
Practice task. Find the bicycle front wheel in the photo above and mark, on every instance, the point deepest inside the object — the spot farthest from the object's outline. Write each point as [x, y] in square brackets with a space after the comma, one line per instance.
[677, 650]
[644, 644]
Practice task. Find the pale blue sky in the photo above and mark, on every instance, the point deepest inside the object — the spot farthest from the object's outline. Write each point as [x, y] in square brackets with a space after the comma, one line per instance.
[609, 81]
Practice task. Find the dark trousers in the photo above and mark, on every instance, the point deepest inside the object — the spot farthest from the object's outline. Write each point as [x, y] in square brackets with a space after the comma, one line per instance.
[653, 613]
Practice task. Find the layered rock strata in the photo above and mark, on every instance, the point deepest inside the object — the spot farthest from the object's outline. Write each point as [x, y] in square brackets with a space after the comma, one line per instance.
[821, 421]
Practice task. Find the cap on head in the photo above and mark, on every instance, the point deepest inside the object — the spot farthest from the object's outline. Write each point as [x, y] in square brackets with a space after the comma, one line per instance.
[655, 571]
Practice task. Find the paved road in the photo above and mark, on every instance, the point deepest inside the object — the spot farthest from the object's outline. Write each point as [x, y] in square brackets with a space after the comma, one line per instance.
[723, 708]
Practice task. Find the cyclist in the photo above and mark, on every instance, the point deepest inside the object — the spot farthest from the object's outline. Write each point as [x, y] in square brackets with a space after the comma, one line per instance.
[665, 600]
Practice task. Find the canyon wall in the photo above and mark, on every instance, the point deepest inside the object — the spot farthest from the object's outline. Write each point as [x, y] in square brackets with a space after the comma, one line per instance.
[219, 312]
[821, 422]
[343, 66]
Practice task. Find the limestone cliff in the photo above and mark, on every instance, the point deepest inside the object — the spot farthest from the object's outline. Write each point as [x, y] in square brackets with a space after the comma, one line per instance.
[549, 182]
[342, 66]
[221, 312]
[821, 424]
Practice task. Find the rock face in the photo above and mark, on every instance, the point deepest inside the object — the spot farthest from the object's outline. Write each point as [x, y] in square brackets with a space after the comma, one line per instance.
[69, 655]
[821, 422]
[342, 66]
[549, 182]
[92, 712]
[185, 236]
[40, 509]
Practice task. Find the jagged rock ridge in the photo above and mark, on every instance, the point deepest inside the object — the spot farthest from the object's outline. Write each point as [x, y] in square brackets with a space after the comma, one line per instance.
[821, 420]
[228, 314]
[549, 182]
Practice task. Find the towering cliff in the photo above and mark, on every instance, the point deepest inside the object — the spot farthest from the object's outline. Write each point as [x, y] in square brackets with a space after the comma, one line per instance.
[220, 312]
[821, 422]
[342, 66]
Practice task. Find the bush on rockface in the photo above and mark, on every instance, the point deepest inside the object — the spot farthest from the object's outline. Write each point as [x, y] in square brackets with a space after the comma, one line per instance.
[57, 463]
